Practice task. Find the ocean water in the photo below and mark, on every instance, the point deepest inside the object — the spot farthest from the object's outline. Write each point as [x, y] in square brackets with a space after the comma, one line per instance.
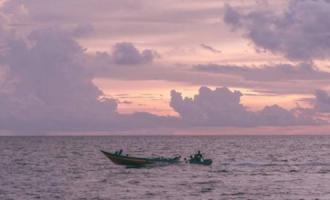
[245, 167]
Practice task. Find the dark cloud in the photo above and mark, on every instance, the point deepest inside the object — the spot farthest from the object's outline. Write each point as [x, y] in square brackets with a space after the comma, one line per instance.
[127, 54]
[231, 16]
[300, 32]
[283, 72]
[222, 107]
[322, 101]
[123, 54]
[209, 48]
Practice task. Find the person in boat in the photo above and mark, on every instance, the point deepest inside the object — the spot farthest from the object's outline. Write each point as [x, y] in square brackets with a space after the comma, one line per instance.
[198, 156]
[118, 153]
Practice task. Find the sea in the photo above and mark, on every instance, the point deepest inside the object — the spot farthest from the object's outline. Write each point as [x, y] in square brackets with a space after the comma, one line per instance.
[244, 167]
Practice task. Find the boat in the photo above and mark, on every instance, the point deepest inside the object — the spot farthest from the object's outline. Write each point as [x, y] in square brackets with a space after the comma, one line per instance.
[199, 159]
[201, 162]
[121, 159]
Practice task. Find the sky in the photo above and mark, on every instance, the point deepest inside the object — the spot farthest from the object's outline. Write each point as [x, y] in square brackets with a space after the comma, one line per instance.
[167, 66]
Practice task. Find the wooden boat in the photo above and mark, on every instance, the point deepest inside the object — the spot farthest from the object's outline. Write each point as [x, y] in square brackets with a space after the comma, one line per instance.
[138, 161]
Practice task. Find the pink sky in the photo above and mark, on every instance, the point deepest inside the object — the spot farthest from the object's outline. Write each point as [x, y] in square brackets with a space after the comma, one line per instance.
[129, 65]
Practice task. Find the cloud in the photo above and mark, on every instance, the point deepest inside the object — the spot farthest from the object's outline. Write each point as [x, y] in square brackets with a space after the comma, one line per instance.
[83, 30]
[46, 86]
[277, 79]
[47, 79]
[110, 10]
[219, 107]
[276, 116]
[322, 101]
[283, 72]
[118, 19]
[300, 32]
[231, 16]
[46, 82]
[125, 53]
[222, 107]
[118, 63]
[209, 48]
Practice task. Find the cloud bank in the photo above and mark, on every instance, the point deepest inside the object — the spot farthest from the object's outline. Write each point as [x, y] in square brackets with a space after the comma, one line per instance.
[46, 76]
[46, 86]
[300, 32]
[222, 107]
[268, 73]
[46, 83]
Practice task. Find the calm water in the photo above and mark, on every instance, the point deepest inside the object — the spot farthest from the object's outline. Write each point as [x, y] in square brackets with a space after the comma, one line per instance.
[245, 167]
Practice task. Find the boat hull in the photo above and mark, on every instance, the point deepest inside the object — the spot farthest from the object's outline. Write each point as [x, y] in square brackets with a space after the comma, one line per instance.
[137, 162]
[204, 162]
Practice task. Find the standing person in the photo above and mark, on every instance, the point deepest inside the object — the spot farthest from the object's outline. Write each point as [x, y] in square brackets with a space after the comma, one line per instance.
[120, 152]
